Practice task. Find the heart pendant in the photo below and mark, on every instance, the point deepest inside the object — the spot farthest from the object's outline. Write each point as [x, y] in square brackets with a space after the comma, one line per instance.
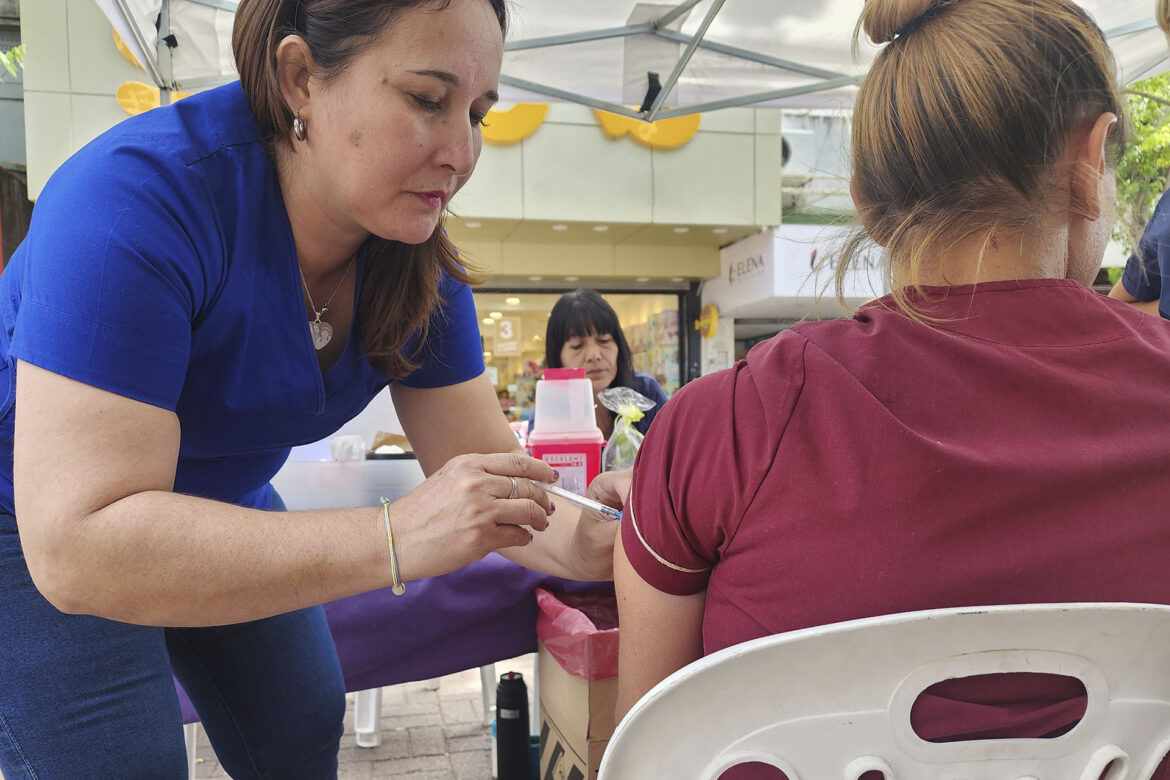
[322, 333]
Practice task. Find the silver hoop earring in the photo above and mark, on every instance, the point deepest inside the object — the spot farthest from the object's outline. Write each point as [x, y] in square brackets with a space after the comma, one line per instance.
[299, 128]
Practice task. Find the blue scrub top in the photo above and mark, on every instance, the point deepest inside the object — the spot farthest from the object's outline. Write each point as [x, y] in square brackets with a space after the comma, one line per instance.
[160, 265]
[1145, 268]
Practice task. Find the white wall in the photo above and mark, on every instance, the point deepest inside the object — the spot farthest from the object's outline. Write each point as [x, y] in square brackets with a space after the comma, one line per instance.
[72, 72]
[569, 169]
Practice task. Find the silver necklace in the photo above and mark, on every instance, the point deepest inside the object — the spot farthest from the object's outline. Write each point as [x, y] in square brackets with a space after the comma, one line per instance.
[322, 332]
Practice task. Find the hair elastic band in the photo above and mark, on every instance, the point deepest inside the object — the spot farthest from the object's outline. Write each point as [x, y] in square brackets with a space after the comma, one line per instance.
[398, 588]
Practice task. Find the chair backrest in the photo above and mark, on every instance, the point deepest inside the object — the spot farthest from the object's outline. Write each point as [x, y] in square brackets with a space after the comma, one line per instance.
[834, 701]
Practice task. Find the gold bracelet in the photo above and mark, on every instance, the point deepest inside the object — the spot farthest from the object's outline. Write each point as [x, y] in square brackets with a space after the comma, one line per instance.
[398, 588]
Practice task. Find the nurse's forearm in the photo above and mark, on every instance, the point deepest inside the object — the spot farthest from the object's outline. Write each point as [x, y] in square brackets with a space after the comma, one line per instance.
[157, 558]
[564, 550]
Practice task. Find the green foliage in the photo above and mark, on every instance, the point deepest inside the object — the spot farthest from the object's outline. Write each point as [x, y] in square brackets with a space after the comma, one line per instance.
[1142, 174]
[12, 59]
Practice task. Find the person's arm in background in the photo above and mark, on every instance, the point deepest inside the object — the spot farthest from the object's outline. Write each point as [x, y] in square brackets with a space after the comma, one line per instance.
[1120, 293]
[445, 422]
[1140, 284]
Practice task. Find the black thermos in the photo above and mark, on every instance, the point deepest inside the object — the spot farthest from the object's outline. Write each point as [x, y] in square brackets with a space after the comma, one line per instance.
[512, 762]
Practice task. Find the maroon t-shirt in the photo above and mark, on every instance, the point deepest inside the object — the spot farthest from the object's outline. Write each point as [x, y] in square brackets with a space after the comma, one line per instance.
[1015, 450]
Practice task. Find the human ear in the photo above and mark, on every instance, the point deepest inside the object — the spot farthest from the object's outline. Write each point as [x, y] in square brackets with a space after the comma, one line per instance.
[294, 68]
[1089, 162]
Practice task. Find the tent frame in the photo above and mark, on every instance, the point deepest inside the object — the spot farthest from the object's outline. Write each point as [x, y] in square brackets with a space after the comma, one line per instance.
[659, 28]
[161, 70]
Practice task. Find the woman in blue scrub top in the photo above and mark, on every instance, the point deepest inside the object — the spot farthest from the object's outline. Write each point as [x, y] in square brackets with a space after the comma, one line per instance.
[202, 288]
[1141, 283]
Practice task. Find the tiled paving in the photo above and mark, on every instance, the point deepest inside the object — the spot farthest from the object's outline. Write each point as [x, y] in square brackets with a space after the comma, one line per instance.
[429, 732]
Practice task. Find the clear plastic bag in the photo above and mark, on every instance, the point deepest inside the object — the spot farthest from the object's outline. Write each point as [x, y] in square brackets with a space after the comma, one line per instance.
[628, 407]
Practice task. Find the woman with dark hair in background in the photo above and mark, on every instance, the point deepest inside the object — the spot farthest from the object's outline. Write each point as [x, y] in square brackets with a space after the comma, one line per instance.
[583, 331]
[252, 266]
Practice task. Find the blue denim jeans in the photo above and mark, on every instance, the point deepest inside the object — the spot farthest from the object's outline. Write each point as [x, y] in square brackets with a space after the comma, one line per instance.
[82, 696]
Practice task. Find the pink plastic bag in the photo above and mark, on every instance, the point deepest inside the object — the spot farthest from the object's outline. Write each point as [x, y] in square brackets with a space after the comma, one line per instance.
[580, 631]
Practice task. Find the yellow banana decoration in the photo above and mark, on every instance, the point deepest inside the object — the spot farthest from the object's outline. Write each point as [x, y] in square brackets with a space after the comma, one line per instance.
[137, 98]
[663, 134]
[515, 124]
[122, 47]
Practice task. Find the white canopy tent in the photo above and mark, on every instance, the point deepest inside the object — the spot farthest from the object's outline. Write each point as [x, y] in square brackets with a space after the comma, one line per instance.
[707, 54]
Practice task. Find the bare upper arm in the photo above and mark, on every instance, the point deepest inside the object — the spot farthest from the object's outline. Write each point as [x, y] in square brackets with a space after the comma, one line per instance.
[661, 633]
[78, 448]
[442, 422]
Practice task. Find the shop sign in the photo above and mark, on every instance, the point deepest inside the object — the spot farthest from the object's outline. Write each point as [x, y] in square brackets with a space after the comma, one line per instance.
[746, 271]
[507, 337]
[788, 273]
[806, 259]
[750, 267]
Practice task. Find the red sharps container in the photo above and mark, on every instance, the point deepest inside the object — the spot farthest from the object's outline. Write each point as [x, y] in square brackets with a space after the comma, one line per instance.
[565, 433]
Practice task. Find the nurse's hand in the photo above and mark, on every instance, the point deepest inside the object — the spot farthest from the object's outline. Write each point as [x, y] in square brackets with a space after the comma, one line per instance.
[473, 505]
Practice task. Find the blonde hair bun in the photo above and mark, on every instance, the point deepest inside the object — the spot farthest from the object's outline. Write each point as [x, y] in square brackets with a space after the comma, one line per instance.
[884, 19]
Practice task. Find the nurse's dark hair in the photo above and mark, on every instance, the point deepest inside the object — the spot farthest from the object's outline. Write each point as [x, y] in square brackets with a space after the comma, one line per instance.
[582, 313]
[961, 123]
[400, 292]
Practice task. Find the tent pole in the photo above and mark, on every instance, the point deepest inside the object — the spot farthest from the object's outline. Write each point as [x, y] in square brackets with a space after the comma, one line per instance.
[688, 52]
[150, 65]
[1133, 27]
[675, 13]
[751, 56]
[569, 97]
[165, 58]
[761, 97]
[581, 37]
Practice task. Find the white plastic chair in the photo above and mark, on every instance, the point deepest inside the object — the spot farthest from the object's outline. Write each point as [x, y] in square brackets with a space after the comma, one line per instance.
[833, 702]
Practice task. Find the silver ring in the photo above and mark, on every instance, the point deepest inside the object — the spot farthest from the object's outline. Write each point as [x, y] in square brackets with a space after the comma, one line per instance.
[512, 493]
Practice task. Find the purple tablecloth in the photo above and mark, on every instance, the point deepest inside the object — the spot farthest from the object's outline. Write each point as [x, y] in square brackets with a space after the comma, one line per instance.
[480, 614]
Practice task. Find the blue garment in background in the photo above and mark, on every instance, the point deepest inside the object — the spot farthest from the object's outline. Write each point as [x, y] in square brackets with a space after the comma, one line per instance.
[160, 265]
[1145, 268]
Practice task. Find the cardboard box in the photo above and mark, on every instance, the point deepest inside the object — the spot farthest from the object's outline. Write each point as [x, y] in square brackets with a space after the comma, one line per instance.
[576, 720]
